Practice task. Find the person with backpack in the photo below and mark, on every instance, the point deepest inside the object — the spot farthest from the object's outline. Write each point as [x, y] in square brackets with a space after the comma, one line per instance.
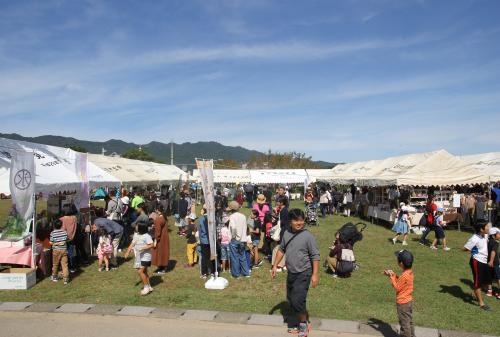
[115, 207]
[341, 259]
[430, 212]
[302, 260]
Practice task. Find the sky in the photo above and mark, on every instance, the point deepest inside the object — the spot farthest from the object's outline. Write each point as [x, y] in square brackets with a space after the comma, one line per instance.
[339, 80]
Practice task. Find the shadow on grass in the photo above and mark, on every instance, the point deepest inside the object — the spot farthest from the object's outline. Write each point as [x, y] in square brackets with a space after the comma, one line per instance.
[383, 327]
[456, 291]
[286, 311]
[171, 265]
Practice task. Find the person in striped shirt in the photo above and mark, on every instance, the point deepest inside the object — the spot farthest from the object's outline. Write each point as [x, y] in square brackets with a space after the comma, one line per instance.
[58, 240]
[404, 292]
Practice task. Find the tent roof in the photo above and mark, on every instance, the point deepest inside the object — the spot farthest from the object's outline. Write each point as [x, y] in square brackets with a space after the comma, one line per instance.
[441, 169]
[227, 176]
[278, 176]
[53, 169]
[320, 174]
[486, 163]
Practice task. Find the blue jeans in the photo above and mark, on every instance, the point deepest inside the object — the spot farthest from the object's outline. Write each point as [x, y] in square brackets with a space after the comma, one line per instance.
[239, 264]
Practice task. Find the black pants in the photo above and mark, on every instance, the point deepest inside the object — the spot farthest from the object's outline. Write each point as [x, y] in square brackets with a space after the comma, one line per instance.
[323, 208]
[297, 286]
[207, 266]
[426, 232]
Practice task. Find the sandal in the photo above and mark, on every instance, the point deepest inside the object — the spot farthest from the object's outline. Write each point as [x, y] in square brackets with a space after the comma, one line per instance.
[293, 330]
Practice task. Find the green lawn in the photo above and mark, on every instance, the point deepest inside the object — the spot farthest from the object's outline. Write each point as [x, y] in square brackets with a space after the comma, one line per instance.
[442, 291]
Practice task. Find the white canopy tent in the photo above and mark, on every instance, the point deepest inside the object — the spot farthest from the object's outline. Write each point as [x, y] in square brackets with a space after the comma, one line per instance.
[278, 176]
[227, 176]
[441, 169]
[320, 175]
[486, 163]
[54, 171]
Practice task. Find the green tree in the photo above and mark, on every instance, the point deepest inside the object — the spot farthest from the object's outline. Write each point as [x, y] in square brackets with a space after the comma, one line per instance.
[140, 155]
[226, 164]
[286, 160]
[78, 148]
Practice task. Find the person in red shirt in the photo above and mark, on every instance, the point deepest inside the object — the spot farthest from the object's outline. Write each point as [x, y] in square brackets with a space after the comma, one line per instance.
[430, 213]
[404, 292]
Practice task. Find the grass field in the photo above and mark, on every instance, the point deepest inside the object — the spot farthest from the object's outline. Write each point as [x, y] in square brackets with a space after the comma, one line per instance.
[442, 285]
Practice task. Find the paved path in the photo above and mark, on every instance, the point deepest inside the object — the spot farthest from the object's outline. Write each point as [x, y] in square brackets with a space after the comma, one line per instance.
[27, 324]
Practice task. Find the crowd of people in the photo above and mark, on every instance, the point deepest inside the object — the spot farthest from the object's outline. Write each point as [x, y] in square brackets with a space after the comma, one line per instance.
[272, 232]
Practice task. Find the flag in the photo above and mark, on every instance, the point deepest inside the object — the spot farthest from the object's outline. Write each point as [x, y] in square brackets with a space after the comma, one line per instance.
[206, 170]
[22, 183]
[83, 195]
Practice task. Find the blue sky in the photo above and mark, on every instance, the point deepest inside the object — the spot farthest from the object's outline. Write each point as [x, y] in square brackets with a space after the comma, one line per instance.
[339, 80]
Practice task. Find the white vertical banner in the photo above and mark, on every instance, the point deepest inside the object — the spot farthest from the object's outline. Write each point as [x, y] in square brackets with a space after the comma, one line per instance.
[22, 184]
[81, 166]
[206, 170]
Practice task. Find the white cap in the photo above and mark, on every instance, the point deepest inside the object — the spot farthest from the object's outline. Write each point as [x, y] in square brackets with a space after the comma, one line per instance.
[192, 216]
[494, 230]
[125, 200]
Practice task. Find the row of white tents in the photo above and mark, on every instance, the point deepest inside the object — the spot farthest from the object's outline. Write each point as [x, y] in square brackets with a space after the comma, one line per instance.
[436, 168]
[59, 169]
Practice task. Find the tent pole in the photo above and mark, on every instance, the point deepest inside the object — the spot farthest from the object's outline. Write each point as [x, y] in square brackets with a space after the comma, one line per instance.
[33, 238]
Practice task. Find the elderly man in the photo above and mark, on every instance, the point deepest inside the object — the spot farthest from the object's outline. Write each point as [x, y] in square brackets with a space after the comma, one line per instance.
[238, 229]
[114, 229]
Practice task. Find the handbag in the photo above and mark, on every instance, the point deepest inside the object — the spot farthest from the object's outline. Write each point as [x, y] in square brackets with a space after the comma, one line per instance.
[276, 231]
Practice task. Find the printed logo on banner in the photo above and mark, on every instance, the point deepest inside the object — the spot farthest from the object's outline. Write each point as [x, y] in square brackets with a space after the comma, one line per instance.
[22, 179]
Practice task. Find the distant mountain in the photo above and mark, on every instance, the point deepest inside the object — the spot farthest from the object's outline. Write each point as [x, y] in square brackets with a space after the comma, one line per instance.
[184, 154]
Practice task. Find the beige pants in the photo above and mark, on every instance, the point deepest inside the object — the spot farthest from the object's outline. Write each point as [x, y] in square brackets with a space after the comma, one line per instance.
[275, 251]
[60, 256]
[115, 243]
[332, 263]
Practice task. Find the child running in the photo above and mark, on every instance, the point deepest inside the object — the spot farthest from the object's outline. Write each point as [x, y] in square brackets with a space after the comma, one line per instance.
[493, 261]
[104, 249]
[478, 246]
[439, 225]
[402, 225]
[404, 292]
[302, 260]
[143, 244]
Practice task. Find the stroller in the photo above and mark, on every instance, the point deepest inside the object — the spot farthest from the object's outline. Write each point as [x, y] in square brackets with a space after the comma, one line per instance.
[346, 237]
[312, 214]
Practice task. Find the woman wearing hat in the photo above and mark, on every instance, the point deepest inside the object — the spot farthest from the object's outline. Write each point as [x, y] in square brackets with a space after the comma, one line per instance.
[261, 206]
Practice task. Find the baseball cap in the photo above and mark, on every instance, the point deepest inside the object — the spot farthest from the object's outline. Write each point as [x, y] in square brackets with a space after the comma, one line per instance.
[192, 216]
[494, 230]
[406, 257]
[440, 209]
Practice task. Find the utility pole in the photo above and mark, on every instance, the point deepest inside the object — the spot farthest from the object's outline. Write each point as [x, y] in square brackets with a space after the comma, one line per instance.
[171, 152]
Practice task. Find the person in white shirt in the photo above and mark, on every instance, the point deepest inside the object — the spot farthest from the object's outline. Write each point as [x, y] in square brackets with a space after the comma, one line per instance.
[478, 246]
[238, 229]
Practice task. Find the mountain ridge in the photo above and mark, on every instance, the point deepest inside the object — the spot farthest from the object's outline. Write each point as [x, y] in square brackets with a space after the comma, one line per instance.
[184, 153]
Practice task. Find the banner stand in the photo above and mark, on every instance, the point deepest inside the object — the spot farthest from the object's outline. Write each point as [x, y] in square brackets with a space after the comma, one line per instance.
[206, 169]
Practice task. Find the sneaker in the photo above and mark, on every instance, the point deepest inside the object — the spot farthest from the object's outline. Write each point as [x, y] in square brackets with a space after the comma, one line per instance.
[99, 269]
[203, 277]
[394, 240]
[72, 271]
[303, 329]
[107, 269]
[260, 263]
[161, 272]
[446, 249]
[405, 243]
[485, 308]
[145, 291]
[433, 247]
[489, 293]
[335, 275]
[150, 288]
[54, 278]
[294, 330]
[66, 281]
[422, 243]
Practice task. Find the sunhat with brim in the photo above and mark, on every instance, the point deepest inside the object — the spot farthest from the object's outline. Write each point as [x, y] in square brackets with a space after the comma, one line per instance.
[261, 199]
[125, 200]
[233, 206]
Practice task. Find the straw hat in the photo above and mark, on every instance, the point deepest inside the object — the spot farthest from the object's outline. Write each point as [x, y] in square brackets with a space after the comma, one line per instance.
[261, 199]
[233, 206]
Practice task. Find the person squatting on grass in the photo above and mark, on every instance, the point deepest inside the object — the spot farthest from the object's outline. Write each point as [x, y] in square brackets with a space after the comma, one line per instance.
[404, 292]
[302, 261]
[478, 246]
[493, 261]
[142, 243]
